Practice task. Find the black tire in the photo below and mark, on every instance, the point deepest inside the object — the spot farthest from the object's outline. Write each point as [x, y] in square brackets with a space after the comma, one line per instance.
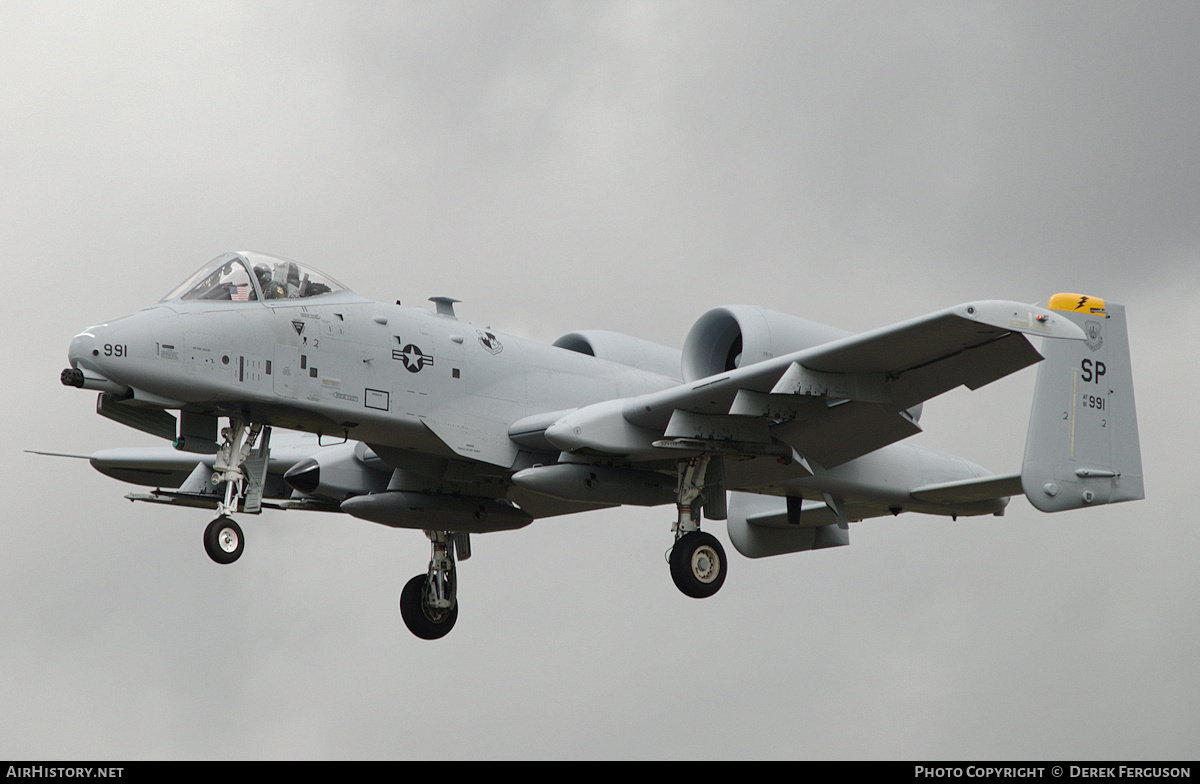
[426, 622]
[224, 541]
[698, 564]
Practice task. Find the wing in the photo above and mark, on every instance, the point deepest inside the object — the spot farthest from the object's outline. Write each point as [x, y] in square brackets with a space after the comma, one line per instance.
[184, 478]
[828, 404]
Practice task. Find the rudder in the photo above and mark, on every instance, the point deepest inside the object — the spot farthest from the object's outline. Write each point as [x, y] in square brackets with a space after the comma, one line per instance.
[1082, 447]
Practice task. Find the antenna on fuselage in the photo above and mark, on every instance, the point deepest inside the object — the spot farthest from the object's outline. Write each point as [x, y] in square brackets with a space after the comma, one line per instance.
[445, 306]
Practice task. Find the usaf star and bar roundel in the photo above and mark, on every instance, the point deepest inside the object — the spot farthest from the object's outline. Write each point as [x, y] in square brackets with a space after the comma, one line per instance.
[412, 357]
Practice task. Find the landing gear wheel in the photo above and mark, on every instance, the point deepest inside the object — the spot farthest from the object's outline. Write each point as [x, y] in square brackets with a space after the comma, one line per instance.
[423, 620]
[223, 540]
[698, 564]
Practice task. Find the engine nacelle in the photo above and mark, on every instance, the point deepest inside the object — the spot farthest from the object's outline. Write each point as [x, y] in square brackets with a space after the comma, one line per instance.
[735, 336]
[624, 350]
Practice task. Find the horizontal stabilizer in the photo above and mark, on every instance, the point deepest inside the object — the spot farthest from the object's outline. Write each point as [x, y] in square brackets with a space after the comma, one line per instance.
[969, 491]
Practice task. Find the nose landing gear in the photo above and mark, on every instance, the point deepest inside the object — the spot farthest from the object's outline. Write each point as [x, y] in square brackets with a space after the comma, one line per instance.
[223, 538]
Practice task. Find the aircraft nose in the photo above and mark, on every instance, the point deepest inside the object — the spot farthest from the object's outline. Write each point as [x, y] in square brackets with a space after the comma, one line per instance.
[82, 346]
[87, 370]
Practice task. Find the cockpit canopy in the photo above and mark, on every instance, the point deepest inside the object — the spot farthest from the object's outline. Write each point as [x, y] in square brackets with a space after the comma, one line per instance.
[247, 276]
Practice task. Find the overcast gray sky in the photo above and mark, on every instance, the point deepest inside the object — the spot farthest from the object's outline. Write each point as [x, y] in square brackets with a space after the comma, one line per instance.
[626, 166]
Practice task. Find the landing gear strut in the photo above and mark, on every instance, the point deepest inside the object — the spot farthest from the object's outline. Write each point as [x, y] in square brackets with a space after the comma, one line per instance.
[223, 539]
[697, 560]
[428, 603]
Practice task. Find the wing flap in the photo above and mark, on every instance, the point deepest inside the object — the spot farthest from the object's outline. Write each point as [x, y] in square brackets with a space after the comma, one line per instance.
[973, 367]
[850, 430]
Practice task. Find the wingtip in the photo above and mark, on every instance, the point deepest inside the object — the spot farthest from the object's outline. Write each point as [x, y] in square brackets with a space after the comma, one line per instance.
[1020, 317]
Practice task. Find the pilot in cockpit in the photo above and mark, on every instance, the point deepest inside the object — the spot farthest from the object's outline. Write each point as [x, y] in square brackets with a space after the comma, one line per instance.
[232, 275]
[271, 288]
[283, 282]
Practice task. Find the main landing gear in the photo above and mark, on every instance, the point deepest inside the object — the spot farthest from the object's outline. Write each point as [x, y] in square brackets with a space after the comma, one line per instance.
[428, 603]
[698, 563]
[223, 538]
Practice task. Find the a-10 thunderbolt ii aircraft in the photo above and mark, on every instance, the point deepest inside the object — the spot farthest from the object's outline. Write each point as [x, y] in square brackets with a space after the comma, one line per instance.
[786, 429]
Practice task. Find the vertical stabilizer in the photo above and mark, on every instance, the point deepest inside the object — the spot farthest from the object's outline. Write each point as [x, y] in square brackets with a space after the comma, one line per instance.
[1082, 448]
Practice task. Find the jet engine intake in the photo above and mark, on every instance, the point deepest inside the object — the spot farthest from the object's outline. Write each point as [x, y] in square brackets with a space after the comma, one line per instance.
[734, 336]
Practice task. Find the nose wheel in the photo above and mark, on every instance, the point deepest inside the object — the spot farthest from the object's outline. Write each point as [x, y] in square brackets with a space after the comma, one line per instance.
[223, 540]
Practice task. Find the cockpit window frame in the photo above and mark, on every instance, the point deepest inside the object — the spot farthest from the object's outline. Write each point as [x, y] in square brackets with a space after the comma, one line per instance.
[260, 277]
